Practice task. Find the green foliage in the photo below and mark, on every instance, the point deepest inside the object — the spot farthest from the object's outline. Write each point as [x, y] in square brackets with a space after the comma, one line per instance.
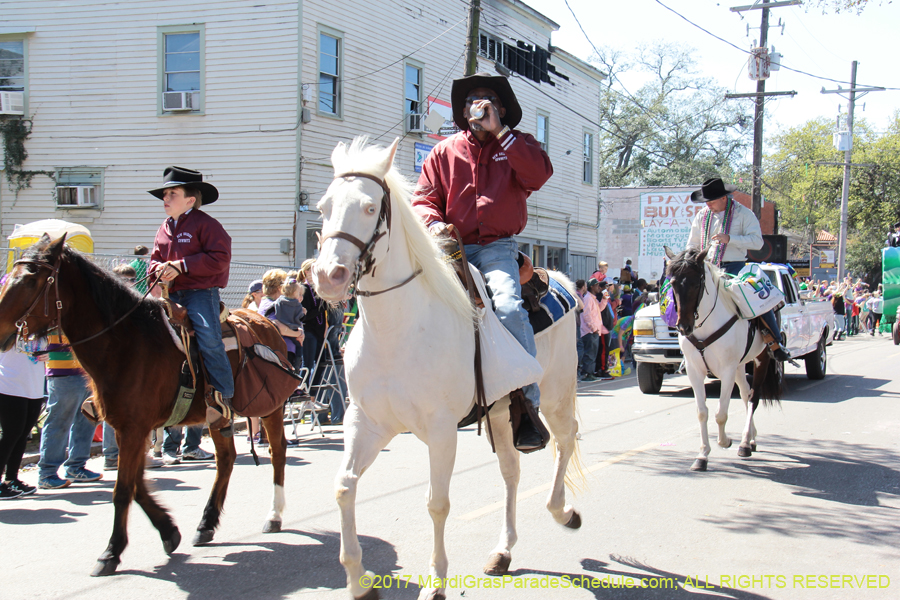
[676, 128]
[14, 132]
[809, 195]
[837, 6]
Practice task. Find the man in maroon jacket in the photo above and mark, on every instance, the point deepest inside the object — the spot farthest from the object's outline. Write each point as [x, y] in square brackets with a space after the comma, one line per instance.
[193, 251]
[478, 180]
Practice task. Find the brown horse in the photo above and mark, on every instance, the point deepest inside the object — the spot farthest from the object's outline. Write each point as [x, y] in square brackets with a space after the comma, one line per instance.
[134, 363]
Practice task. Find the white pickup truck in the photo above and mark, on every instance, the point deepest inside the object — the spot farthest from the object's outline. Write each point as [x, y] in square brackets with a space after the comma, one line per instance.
[808, 326]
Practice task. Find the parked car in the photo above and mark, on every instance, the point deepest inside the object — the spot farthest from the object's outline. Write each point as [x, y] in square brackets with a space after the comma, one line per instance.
[808, 325]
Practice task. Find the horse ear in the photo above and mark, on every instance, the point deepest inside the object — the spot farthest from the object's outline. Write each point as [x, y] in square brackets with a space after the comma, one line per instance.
[702, 256]
[56, 246]
[339, 152]
[669, 252]
[387, 157]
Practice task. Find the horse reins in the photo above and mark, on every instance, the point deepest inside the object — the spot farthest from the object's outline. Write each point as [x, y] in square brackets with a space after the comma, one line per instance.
[53, 279]
[702, 345]
[365, 264]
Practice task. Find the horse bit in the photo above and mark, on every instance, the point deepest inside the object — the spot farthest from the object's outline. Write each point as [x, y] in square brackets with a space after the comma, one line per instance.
[365, 264]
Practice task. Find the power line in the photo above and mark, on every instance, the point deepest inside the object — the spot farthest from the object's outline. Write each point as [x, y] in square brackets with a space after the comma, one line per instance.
[783, 66]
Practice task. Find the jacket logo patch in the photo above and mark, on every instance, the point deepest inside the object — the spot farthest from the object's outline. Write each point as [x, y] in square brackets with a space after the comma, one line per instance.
[499, 156]
[183, 238]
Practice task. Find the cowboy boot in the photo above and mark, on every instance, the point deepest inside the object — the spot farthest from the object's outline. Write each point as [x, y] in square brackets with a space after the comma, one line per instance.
[778, 351]
[529, 434]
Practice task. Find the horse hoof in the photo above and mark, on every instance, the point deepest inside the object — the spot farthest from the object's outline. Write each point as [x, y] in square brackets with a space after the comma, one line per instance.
[105, 567]
[171, 544]
[699, 465]
[730, 442]
[753, 446]
[498, 564]
[745, 452]
[203, 536]
[372, 594]
[272, 527]
[574, 521]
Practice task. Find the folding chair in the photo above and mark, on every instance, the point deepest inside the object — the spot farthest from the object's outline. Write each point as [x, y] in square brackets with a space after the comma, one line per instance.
[331, 374]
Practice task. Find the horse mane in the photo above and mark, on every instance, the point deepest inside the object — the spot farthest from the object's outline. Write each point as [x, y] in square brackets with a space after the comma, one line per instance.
[688, 262]
[437, 276]
[112, 295]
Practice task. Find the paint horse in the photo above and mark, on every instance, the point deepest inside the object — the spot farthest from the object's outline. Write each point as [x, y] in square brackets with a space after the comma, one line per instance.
[720, 343]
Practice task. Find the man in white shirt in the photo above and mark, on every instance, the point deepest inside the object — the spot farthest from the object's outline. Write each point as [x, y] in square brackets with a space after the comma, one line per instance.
[729, 230]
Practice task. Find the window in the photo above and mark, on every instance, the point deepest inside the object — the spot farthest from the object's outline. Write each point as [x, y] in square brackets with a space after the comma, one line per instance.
[491, 48]
[182, 79]
[556, 258]
[537, 255]
[543, 131]
[330, 74]
[12, 66]
[79, 187]
[412, 102]
[588, 170]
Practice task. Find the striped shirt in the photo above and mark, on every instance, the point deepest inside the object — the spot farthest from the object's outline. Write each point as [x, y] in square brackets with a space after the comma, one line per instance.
[61, 361]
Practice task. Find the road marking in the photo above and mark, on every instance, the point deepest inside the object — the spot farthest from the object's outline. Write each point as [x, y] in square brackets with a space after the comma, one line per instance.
[546, 487]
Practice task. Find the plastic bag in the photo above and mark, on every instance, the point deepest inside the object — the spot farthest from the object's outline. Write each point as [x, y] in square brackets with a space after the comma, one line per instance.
[615, 362]
[753, 293]
[667, 309]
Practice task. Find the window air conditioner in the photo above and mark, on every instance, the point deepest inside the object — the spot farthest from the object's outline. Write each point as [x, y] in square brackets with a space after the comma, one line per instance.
[181, 101]
[414, 123]
[12, 103]
[76, 195]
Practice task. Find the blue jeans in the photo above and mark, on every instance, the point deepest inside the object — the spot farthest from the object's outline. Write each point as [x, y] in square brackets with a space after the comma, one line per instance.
[497, 261]
[173, 436]
[591, 342]
[733, 268]
[110, 447]
[65, 427]
[203, 310]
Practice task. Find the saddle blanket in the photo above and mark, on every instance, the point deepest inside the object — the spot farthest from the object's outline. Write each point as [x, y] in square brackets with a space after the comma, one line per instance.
[554, 306]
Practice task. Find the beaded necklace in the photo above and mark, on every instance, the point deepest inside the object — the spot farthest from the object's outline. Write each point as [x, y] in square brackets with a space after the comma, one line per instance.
[706, 234]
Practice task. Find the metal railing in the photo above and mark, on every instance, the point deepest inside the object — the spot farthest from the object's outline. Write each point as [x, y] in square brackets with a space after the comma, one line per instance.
[239, 279]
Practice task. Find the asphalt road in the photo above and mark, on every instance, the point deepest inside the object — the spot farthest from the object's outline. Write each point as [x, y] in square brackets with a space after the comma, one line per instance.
[813, 514]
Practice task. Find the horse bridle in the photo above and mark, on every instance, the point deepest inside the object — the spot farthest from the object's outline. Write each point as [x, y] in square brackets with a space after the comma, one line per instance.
[55, 324]
[700, 298]
[365, 264]
[52, 279]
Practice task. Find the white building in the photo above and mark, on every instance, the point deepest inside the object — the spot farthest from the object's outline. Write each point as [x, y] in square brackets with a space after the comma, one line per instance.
[257, 95]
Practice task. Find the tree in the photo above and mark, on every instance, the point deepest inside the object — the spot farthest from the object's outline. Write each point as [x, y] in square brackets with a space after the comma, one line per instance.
[676, 128]
[809, 195]
[842, 5]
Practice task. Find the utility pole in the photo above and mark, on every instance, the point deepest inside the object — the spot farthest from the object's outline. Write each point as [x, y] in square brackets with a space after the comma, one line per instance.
[758, 120]
[760, 95]
[472, 37]
[848, 153]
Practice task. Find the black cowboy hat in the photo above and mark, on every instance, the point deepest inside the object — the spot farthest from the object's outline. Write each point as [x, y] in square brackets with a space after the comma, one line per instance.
[497, 83]
[712, 189]
[179, 176]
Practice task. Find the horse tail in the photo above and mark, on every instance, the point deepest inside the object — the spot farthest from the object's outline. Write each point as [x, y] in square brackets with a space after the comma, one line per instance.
[771, 384]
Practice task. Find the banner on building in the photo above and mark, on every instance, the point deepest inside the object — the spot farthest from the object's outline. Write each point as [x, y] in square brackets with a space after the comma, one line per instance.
[665, 219]
[422, 151]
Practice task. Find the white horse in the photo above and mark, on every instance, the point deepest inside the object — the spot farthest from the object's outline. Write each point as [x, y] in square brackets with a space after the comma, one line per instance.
[720, 346]
[409, 359]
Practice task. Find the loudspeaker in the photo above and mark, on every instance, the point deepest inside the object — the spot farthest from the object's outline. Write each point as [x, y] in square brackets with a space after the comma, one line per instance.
[774, 250]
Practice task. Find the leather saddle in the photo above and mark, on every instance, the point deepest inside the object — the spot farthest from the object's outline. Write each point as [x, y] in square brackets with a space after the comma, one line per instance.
[535, 281]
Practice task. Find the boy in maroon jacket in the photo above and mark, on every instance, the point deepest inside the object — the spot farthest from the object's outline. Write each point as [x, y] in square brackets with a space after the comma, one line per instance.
[193, 252]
